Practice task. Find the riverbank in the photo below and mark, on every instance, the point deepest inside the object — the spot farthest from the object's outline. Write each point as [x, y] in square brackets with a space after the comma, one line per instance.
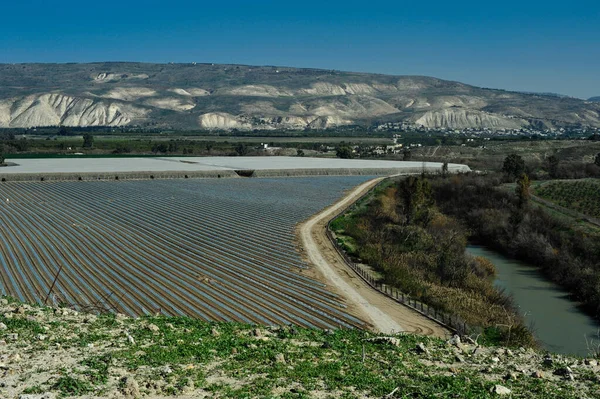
[563, 253]
[558, 323]
[399, 233]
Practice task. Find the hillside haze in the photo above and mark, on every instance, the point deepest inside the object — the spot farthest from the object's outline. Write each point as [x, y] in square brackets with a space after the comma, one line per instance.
[225, 97]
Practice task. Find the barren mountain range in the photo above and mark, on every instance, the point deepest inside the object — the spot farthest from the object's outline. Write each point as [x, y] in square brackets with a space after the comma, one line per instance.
[212, 97]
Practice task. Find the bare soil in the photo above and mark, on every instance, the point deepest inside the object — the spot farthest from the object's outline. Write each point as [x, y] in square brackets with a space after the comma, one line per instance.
[382, 313]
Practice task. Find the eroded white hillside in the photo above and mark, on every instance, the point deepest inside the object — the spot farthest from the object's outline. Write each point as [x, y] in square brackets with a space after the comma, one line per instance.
[456, 118]
[53, 109]
[221, 121]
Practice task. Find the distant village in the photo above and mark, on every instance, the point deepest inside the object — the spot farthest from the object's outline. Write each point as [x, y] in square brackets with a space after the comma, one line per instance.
[411, 128]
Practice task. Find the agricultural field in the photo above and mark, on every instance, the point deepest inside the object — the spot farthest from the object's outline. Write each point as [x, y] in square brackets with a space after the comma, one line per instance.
[214, 249]
[579, 195]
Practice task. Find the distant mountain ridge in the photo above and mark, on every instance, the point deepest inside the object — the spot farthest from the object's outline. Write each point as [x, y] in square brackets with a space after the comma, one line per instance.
[215, 97]
[597, 98]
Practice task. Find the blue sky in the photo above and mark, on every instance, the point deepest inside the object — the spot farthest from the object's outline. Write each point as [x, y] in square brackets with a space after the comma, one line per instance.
[515, 45]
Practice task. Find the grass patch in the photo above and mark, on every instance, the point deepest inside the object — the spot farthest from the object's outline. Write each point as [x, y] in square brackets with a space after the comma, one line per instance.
[71, 386]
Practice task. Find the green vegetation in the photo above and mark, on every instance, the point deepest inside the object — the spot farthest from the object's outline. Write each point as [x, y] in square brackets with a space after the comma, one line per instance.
[513, 166]
[495, 217]
[158, 356]
[401, 234]
[88, 141]
[70, 386]
[581, 196]
[344, 152]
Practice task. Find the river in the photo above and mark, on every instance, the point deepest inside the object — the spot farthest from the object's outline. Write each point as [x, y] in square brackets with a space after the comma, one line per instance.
[555, 320]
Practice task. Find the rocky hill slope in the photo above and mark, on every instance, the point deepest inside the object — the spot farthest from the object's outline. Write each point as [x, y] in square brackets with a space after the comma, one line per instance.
[596, 99]
[57, 352]
[209, 96]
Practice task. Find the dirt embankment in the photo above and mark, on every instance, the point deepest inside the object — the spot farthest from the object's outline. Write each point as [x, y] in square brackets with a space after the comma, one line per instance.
[381, 312]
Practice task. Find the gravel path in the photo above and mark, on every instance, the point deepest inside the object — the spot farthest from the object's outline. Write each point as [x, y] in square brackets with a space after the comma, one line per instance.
[384, 314]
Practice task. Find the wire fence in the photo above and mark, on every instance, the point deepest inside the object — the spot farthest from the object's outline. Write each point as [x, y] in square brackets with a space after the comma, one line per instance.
[451, 322]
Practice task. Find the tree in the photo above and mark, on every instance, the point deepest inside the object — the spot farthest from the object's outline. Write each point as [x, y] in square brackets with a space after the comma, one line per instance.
[63, 131]
[2, 159]
[513, 166]
[344, 152]
[597, 159]
[406, 155]
[445, 168]
[553, 162]
[88, 141]
[160, 147]
[241, 149]
[523, 185]
[300, 152]
[416, 199]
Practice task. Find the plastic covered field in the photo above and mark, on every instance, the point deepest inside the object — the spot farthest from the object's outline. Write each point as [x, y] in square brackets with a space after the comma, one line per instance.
[212, 249]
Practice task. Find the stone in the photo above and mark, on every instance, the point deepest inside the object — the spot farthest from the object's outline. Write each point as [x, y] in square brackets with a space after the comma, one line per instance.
[420, 348]
[3, 302]
[501, 390]
[47, 395]
[279, 358]
[234, 351]
[257, 333]
[459, 358]
[153, 327]
[548, 361]
[537, 374]
[12, 337]
[455, 340]
[20, 310]
[41, 337]
[130, 388]
[495, 360]
[591, 362]
[511, 376]
[130, 339]
[386, 340]
[3, 327]
[166, 370]
[565, 372]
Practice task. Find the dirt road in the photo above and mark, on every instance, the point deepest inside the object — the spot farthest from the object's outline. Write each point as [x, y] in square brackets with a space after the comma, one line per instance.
[384, 314]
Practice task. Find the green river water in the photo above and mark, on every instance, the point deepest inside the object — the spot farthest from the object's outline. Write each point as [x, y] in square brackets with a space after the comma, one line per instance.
[555, 320]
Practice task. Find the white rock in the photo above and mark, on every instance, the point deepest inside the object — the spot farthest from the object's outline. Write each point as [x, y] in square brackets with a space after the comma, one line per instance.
[501, 390]
[279, 358]
[47, 395]
[3, 326]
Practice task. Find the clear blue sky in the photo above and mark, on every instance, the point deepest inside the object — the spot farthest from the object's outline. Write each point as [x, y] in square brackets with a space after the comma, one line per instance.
[517, 45]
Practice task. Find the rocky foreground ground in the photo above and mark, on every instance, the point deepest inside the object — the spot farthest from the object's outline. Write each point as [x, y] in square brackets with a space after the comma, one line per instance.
[57, 352]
